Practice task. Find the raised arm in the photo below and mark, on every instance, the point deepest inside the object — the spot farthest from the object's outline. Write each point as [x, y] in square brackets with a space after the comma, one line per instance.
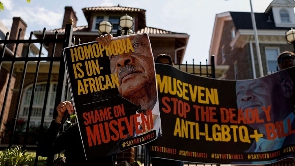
[52, 142]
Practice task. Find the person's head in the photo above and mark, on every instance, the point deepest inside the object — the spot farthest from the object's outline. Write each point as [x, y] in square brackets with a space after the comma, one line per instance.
[286, 60]
[136, 71]
[164, 59]
[273, 90]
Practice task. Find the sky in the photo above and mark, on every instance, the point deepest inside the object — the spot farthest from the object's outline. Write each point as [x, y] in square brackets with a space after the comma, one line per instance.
[194, 17]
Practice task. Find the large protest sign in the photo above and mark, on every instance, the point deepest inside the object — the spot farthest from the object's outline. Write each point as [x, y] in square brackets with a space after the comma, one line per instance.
[114, 94]
[221, 121]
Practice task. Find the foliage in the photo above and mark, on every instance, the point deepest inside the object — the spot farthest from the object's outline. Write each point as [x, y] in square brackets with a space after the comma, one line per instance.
[41, 161]
[2, 5]
[19, 127]
[15, 157]
[20, 130]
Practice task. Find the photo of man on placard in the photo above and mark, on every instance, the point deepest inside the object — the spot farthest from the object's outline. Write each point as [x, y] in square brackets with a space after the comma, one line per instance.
[271, 96]
[136, 75]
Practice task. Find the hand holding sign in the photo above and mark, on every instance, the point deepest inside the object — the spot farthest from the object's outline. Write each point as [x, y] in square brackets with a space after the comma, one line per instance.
[63, 109]
[104, 39]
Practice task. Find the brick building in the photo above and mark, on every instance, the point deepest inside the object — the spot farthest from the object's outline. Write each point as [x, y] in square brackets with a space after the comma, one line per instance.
[7, 82]
[233, 41]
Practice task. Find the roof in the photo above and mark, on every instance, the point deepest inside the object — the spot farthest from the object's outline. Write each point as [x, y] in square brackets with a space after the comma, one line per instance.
[180, 38]
[141, 12]
[152, 30]
[126, 10]
[148, 30]
[242, 20]
[113, 8]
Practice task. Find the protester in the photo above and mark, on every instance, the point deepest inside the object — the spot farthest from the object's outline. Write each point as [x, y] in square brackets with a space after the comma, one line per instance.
[69, 141]
[286, 60]
[270, 100]
[164, 59]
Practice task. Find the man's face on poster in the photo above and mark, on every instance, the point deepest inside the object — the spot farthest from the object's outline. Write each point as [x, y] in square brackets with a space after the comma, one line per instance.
[135, 69]
[253, 94]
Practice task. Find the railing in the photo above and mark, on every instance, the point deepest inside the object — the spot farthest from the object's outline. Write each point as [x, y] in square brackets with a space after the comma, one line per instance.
[207, 70]
[19, 71]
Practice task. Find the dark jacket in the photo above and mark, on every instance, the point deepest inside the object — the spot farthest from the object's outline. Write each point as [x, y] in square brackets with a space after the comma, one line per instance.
[69, 141]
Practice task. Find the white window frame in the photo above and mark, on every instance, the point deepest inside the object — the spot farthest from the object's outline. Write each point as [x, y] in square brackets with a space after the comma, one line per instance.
[284, 16]
[114, 30]
[94, 22]
[39, 97]
[105, 18]
[272, 58]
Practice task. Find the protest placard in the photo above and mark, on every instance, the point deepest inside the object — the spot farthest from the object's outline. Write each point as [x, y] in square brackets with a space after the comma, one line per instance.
[114, 94]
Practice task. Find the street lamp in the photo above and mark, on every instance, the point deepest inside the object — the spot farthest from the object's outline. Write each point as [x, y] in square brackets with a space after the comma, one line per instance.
[126, 22]
[290, 37]
[105, 27]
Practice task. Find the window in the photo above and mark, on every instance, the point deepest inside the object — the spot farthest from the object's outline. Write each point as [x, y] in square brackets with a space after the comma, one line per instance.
[38, 101]
[271, 58]
[284, 16]
[114, 20]
[37, 106]
[98, 20]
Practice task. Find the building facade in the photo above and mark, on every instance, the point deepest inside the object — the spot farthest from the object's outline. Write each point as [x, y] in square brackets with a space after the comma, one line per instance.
[31, 84]
[81, 34]
[174, 45]
[233, 42]
[233, 39]
[18, 88]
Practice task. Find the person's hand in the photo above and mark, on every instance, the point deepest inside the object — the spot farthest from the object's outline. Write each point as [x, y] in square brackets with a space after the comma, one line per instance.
[104, 39]
[62, 108]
